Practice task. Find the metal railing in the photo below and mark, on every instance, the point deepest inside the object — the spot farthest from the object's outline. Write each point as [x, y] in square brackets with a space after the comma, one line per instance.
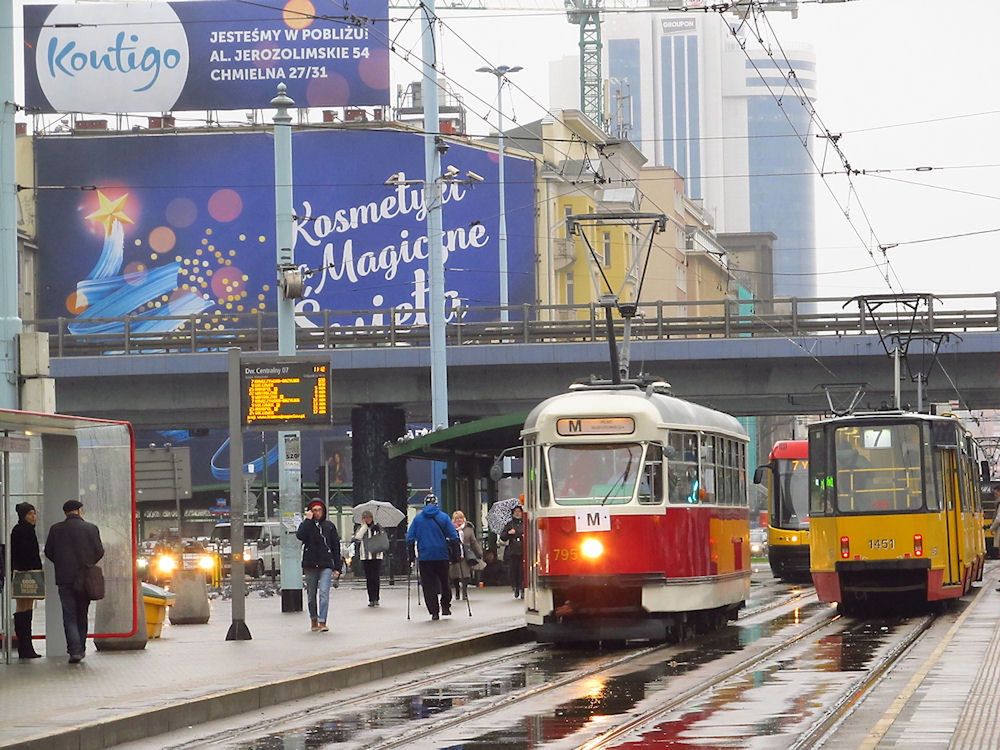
[528, 324]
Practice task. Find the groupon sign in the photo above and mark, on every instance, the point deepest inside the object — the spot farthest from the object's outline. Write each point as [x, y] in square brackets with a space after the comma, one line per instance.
[217, 54]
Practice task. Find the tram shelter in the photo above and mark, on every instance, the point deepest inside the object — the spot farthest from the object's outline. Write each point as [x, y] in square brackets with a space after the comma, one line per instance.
[470, 452]
[47, 459]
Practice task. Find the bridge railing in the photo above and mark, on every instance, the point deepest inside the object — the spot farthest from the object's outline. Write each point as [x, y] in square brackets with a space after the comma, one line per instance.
[528, 324]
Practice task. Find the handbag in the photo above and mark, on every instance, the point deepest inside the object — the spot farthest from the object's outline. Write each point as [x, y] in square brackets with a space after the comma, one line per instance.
[377, 544]
[454, 546]
[28, 584]
[91, 583]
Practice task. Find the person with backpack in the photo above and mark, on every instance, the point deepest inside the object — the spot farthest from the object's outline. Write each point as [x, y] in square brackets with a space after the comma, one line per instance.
[433, 541]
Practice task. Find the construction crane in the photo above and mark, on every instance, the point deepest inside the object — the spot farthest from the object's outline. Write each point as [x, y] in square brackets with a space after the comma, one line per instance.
[587, 15]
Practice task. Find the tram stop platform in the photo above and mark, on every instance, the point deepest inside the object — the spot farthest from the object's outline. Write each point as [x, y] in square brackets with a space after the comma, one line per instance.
[192, 674]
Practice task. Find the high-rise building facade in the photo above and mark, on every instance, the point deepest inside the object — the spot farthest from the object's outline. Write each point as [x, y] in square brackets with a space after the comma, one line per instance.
[684, 92]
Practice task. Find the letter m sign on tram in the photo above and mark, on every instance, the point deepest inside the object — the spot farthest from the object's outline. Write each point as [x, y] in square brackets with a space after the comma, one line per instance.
[593, 519]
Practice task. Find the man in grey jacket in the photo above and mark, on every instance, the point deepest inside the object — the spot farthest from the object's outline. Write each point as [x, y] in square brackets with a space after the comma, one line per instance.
[73, 545]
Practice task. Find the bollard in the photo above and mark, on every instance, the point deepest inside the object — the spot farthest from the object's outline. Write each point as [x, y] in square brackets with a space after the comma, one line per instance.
[191, 606]
[135, 642]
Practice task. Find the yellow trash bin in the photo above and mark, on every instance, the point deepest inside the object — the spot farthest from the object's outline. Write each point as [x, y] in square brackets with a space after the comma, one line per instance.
[156, 601]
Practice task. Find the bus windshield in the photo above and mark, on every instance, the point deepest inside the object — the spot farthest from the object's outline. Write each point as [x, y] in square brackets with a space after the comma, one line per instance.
[879, 468]
[791, 494]
[594, 474]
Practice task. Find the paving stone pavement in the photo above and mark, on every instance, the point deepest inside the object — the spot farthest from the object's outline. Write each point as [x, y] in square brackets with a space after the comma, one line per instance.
[195, 661]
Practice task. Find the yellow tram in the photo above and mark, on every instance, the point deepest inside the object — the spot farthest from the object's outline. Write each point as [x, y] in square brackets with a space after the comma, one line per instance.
[895, 510]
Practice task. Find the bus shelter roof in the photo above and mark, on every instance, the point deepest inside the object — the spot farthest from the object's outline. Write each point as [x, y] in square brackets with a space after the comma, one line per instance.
[483, 438]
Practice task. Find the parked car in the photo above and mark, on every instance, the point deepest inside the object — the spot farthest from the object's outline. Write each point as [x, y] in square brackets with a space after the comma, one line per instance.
[261, 547]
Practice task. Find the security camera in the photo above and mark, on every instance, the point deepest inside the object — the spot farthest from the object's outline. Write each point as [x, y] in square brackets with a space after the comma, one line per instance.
[473, 177]
[451, 172]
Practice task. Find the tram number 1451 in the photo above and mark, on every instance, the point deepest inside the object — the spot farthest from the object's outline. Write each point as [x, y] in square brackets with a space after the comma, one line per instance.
[885, 544]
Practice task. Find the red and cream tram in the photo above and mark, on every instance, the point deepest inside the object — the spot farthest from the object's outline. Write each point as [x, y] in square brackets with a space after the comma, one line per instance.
[638, 522]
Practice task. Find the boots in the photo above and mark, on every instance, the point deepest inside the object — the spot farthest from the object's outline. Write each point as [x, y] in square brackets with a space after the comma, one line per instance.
[315, 625]
[458, 591]
[22, 628]
[465, 590]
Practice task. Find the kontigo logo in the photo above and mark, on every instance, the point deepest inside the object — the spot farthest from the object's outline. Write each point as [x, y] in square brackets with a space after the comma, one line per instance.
[112, 58]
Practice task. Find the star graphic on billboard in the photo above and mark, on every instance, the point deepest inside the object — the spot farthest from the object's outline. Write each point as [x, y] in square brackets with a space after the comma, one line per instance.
[109, 211]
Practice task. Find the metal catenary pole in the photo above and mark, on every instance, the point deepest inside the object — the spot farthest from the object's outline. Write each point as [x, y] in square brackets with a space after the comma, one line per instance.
[289, 442]
[238, 630]
[10, 322]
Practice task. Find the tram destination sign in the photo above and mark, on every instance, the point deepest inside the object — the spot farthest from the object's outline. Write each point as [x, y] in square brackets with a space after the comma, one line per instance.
[290, 393]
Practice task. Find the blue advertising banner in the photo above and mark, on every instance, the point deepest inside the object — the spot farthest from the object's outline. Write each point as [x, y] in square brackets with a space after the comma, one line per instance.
[217, 54]
[150, 226]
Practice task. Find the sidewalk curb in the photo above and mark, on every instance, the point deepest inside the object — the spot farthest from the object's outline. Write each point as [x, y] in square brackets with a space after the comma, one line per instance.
[183, 714]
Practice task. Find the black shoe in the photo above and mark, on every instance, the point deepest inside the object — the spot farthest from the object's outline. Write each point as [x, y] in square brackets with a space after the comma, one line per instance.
[372, 604]
[446, 612]
[75, 659]
[435, 616]
[376, 604]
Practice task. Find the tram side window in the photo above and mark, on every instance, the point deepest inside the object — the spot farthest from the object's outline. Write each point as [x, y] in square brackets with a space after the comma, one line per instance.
[544, 491]
[741, 473]
[711, 477]
[820, 482]
[682, 467]
[651, 483]
[531, 478]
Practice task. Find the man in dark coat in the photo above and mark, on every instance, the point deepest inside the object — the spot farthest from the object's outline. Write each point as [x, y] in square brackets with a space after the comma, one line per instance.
[321, 561]
[73, 545]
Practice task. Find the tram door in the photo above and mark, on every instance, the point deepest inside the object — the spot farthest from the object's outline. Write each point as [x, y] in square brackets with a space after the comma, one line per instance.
[953, 512]
[532, 477]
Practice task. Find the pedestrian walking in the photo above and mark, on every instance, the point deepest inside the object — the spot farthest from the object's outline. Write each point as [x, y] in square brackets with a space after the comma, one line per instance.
[73, 545]
[428, 540]
[321, 561]
[513, 534]
[472, 552]
[24, 558]
[369, 540]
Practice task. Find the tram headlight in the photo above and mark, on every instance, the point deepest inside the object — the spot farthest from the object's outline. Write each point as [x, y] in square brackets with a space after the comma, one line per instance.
[592, 548]
[205, 562]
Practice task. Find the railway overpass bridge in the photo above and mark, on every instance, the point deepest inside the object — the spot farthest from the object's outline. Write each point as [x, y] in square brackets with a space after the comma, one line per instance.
[772, 359]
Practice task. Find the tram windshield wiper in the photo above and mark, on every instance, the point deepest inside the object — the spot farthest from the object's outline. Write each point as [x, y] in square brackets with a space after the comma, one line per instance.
[621, 480]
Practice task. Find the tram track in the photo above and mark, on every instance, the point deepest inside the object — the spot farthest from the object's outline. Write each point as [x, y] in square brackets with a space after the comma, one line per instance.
[338, 704]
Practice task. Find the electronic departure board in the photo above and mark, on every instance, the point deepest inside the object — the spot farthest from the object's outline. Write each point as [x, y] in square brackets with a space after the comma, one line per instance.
[290, 393]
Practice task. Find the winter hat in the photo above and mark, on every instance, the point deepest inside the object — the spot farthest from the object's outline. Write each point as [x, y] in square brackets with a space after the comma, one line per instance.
[430, 500]
[315, 503]
[70, 505]
[23, 509]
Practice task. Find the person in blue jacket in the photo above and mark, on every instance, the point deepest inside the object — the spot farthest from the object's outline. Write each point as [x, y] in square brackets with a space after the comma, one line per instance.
[427, 538]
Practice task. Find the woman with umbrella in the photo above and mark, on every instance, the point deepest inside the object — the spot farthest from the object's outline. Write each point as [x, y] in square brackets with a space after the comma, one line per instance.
[371, 541]
[513, 534]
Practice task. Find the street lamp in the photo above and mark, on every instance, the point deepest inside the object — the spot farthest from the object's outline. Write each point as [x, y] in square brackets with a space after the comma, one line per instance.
[501, 71]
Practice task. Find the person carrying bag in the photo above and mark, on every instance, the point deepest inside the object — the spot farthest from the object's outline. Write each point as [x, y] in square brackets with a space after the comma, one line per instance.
[27, 579]
[371, 542]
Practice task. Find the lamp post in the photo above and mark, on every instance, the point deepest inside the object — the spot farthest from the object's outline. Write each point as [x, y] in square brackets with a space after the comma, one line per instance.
[500, 72]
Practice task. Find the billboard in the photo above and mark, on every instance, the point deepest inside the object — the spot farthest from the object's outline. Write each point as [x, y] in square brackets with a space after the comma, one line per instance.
[181, 224]
[216, 54]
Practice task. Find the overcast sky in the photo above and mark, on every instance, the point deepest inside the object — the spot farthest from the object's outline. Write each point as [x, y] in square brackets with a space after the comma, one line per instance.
[879, 63]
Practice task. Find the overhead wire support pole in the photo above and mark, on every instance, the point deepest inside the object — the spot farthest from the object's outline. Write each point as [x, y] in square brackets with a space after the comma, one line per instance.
[432, 200]
[10, 322]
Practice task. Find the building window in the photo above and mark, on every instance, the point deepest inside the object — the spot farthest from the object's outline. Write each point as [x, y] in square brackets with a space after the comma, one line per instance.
[569, 288]
[607, 249]
[567, 212]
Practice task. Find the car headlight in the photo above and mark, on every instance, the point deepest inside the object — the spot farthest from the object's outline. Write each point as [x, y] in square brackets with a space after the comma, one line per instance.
[755, 549]
[592, 548]
[142, 563]
[247, 557]
[206, 562]
[166, 564]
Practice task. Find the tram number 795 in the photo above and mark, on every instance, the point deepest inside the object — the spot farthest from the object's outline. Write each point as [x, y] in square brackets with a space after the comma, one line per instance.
[885, 544]
[565, 554]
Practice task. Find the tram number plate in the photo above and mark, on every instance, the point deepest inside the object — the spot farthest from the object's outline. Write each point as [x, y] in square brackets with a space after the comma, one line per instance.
[882, 544]
[593, 519]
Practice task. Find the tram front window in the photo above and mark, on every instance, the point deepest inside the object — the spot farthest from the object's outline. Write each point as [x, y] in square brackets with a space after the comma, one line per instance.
[878, 469]
[594, 474]
[792, 496]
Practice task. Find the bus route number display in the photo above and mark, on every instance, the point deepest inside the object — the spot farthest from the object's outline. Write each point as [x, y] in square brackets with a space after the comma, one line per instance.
[285, 393]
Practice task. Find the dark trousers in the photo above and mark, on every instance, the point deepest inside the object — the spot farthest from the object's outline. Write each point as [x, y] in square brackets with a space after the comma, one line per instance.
[434, 580]
[74, 611]
[372, 570]
[515, 565]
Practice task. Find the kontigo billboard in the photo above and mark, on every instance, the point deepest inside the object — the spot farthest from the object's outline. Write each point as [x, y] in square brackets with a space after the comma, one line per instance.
[217, 54]
[155, 225]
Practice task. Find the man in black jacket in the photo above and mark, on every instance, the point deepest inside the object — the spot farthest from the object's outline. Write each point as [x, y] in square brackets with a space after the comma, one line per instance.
[320, 561]
[73, 545]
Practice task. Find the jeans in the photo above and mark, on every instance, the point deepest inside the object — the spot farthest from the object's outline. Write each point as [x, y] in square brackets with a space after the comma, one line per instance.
[318, 580]
[434, 580]
[372, 570]
[74, 612]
